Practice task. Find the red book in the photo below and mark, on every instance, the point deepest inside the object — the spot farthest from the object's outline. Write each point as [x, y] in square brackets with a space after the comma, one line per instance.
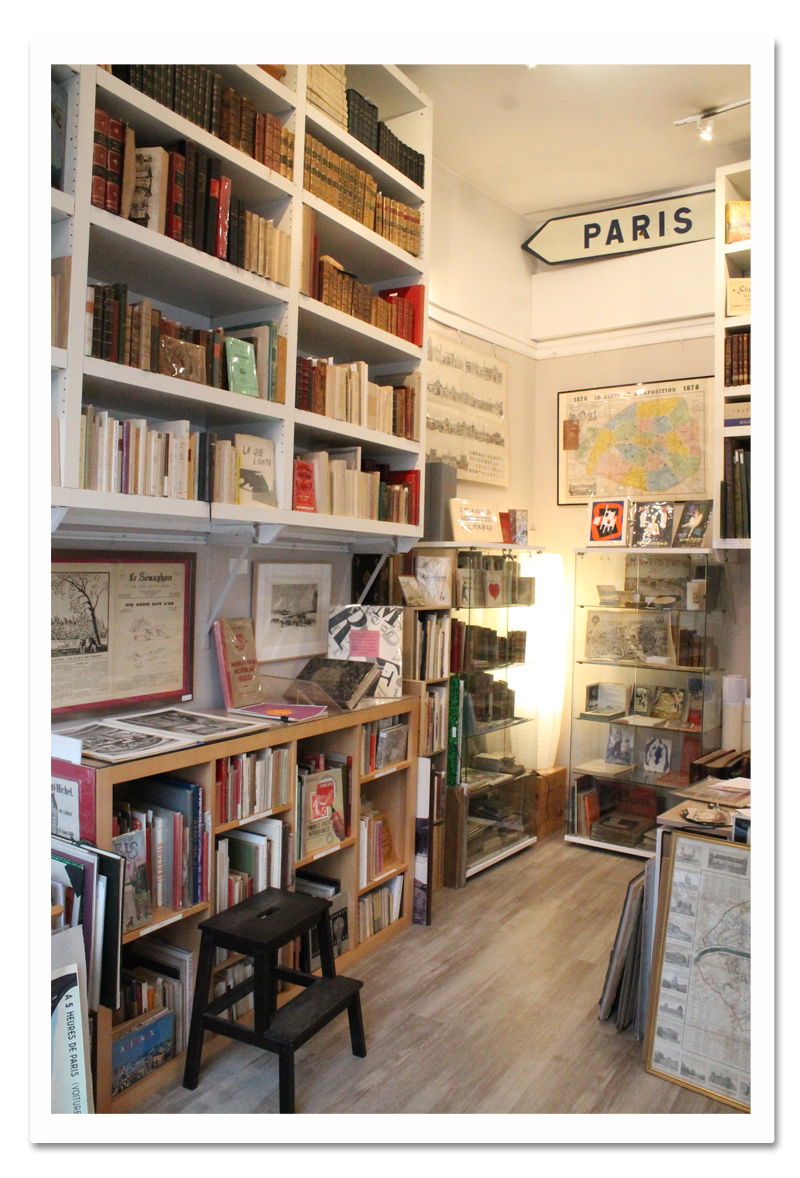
[116, 147]
[416, 297]
[409, 478]
[175, 195]
[100, 158]
[72, 787]
[303, 486]
[223, 215]
[505, 526]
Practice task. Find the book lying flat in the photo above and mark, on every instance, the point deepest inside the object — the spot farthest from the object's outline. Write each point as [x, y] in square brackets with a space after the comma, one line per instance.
[285, 712]
[345, 680]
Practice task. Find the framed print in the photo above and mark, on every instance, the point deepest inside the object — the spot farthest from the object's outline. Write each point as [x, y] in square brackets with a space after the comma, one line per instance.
[646, 441]
[699, 1016]
[651, 525]
[121, 627]
[608, 521]
[475, 522]
[290, 610]
[467, 410]
[693, 523]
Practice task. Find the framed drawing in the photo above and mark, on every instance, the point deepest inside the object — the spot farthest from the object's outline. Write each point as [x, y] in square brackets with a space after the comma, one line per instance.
[290, 610]
[647, 441]
[467, 410]
[121, 628]
[608, 521]
[699, 1016]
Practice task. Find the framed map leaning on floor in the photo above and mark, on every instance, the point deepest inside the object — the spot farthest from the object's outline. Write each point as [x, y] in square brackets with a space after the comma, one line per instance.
[648, 441]
[698, 1027]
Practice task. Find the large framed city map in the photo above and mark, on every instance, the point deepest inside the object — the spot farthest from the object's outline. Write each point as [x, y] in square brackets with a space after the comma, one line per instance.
[649, 441]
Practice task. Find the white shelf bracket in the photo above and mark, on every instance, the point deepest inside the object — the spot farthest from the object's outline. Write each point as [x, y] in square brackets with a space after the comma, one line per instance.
[267, 533]
[57, 514]
[221, 600]
[369, 583]
[404, 543]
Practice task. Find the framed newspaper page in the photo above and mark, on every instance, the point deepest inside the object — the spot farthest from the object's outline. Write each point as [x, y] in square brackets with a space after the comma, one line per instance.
[647, 441]
[699, 1014]
[121, 627]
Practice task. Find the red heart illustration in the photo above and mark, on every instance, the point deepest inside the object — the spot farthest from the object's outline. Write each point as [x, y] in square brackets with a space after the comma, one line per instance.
[494, 590]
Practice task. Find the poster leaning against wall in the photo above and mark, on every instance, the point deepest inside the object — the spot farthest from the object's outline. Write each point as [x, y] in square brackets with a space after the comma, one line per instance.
[121, 627]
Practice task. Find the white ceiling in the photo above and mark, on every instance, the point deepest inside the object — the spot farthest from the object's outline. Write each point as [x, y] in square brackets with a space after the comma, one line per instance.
[559, 138]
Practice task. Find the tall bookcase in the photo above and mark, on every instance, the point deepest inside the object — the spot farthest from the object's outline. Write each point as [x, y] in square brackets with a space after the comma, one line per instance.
[732, 260]
[204, 291]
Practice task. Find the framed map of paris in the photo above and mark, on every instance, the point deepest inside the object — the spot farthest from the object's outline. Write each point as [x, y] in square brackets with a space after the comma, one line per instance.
[648, 441]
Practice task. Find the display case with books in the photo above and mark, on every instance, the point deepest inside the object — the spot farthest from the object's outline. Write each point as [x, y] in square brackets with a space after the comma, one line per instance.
[492, 718]
[650, 633]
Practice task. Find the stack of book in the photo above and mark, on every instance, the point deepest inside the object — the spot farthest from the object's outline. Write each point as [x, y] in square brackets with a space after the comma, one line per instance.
[411, 163]
[326, 887]
[476, 647]
[342, 483]
[487, 700]
[362, 120]
[251, 783]
[429, 653]
[132, 458]
[380, 908]
[161, 827]
[375, 843]
[197, 94]
[735, 489]
[737, 358]
[250, 858]
[354, 192]
[326, 87]
[397, 311]
[433, 720]
[345, 393]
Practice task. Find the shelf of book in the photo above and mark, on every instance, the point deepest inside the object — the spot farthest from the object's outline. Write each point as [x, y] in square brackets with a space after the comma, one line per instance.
[152, 394]
[268, 93]
[130, 508]
[361, 250]
[159, 127]
[341, 733]
[167, 270]
[384, 772]
[311, 428]
[323, 330]
[390, 181]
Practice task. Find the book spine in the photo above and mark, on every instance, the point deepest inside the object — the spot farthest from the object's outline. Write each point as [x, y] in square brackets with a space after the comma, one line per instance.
[175, 195]
[212, 206]
[116, 139]
[100, 158]
[223, 217]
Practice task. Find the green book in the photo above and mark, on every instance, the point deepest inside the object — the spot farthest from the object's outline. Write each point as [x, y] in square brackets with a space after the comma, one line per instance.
[241, 357]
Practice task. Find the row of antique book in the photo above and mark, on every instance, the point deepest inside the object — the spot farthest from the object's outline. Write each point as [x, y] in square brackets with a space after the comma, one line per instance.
[399, 311]
[737, 358]
[345, 393]
[196, 93]
[249, 359]
[248, 784]
[354, 487]
[474, 648]
[735, 489]
[183, 193]
[354, 192]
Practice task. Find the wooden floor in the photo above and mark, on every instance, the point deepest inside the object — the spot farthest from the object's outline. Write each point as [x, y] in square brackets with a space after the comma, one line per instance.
[493, 1009]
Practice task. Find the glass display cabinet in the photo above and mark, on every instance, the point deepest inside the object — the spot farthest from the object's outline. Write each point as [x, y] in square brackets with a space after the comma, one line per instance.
[646, 688]
[492, 724]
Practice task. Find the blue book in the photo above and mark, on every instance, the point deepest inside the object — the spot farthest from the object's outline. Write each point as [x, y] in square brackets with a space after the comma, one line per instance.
[142, 1049]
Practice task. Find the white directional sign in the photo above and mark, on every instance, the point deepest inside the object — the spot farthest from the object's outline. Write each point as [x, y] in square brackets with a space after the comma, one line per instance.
[631, 229]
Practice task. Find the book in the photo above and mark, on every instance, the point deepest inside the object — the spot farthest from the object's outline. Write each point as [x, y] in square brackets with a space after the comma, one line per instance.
[136, 894]
[236, 659]
[737, 220]
[372, 633]
[241, 365]
[323, 823]
[303, 496]
[58, 133]
[345, 681]
[72, 800]
[651, 525]
[693, 523]
[256, 470]
[149, 199]
[138, 1051]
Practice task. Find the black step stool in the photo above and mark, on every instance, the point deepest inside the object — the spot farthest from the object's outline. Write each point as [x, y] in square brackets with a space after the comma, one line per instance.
[259, 927]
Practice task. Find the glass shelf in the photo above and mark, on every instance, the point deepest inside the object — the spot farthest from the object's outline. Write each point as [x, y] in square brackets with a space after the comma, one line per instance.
[483, 729]
[650, 666]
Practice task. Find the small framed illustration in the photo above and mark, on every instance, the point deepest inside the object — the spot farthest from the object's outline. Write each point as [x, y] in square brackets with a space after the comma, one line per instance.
[475, 522]
[619, 750]
[698, 1026]
[658, 755]
[290, 610]
[608, 521]
[413, 592]
[121, 627]
[651, 525]
[693, 523]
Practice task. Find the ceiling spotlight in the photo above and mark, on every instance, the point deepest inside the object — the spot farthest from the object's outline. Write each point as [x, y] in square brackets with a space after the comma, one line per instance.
[704, 119]
[706, 128]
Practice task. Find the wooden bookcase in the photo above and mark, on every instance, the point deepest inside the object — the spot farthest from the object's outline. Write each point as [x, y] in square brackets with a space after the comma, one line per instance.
[203, 291]
[731, 261]
[393, 787]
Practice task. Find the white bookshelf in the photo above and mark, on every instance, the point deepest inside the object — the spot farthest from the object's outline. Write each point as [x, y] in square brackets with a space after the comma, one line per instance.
[203, 291]
[732, 260]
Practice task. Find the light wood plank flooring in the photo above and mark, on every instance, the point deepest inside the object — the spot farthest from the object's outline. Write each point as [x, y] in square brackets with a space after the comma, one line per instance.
[493, 1009]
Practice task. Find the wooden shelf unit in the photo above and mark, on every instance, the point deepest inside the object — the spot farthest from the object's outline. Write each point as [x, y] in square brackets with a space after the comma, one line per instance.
[204, 291]
[340, 733]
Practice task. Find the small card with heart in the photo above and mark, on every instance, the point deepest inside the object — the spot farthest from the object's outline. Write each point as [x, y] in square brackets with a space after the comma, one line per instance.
[493, 589]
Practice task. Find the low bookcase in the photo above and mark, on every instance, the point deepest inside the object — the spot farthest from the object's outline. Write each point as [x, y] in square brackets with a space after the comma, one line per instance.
[393, 786]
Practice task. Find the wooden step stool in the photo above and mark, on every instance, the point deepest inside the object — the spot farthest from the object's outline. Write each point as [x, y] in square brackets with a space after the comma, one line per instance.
[259, 928]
